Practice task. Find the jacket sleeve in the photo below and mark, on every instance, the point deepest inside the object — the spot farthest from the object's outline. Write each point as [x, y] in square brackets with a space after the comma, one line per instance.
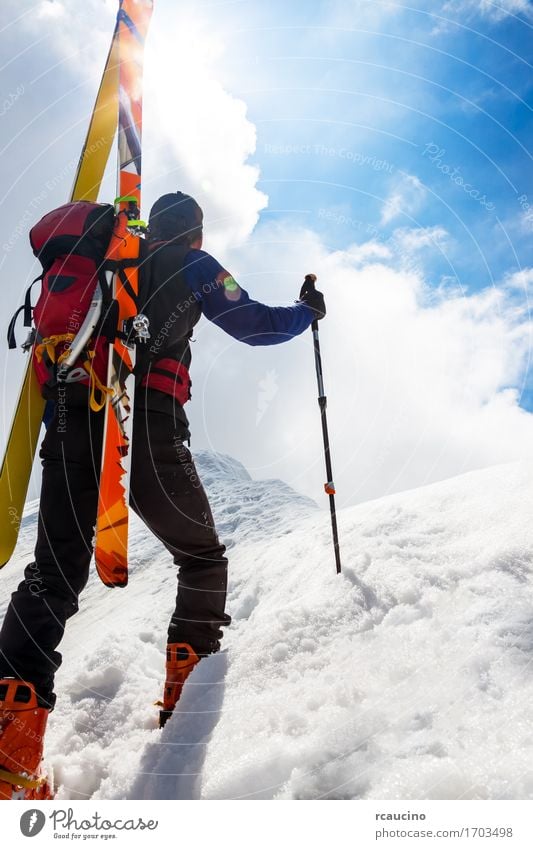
[231, 308]
[252, 322]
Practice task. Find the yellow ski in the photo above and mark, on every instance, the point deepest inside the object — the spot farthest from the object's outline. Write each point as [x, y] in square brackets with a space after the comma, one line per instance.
[23, 437]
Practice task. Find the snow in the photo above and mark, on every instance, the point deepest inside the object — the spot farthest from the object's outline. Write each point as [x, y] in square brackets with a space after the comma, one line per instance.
[406, 677]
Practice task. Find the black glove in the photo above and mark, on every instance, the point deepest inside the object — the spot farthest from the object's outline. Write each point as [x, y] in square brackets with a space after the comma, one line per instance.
[313, 299]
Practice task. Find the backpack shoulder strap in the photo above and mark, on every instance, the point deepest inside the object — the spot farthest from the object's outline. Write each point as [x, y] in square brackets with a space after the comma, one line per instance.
[27, 307]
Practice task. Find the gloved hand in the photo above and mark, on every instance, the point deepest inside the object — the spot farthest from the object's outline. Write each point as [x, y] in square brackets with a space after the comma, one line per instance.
[313, 299]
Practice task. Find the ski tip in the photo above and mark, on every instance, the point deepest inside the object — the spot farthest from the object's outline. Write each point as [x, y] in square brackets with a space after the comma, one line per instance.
[164, 716]
[113, 585]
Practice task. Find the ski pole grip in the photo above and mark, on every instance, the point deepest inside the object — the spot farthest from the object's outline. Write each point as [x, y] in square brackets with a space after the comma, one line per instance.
[308, 284]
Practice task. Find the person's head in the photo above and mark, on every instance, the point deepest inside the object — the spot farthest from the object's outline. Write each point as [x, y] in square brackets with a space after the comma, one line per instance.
[176, 217]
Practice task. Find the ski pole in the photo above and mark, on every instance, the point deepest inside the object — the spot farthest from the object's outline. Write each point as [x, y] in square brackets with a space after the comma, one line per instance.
[308, 286]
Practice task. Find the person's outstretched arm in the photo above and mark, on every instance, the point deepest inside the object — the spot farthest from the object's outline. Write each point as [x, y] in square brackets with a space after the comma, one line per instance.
[230, 307]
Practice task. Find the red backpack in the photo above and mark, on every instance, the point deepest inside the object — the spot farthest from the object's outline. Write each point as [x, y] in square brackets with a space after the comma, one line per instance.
[71, 243]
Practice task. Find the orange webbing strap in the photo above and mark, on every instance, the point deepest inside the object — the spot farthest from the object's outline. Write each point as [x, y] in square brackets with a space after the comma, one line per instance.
[50, 344]
[95, 384]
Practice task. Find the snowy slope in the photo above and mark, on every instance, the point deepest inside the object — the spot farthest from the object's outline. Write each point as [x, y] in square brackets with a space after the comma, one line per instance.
[408, 676]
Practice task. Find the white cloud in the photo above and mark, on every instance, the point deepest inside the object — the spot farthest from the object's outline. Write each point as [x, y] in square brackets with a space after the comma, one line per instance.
[361, 13]
[50, 9]
[204, 131]
[419, 388]
[401, 248]
[78, 33]
[406, 197]
[412, 239]
[368, 251]
[526, 219]
[197, 137]
[495, 10]
[521, 280]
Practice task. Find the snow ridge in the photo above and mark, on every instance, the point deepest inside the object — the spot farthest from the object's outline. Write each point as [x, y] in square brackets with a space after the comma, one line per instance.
[407, 677]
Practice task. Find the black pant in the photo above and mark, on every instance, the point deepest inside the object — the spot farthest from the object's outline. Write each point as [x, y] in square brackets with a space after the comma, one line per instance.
[165, 492]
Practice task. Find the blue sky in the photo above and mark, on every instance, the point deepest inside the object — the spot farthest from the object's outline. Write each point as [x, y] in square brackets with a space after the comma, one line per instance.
[384, 146]
[400, 97]
[372, 92]
[350, 100]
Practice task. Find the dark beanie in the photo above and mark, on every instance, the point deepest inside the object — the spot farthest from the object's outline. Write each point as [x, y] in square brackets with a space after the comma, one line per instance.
[175, 217]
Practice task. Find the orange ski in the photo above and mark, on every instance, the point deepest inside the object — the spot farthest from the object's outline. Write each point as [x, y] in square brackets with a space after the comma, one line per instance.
[111, 536]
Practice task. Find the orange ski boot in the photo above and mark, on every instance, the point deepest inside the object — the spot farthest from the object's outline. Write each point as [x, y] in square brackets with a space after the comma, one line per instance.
[22, 727]
[181, 660]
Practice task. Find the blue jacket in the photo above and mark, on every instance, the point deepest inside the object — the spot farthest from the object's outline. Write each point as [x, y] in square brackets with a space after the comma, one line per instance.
[181, 285]
[230, 307]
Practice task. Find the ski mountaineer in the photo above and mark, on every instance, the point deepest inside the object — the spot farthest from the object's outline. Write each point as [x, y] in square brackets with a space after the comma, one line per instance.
[179, 283]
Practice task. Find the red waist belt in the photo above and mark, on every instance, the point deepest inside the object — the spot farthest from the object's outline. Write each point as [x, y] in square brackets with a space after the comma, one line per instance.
[171, 377]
